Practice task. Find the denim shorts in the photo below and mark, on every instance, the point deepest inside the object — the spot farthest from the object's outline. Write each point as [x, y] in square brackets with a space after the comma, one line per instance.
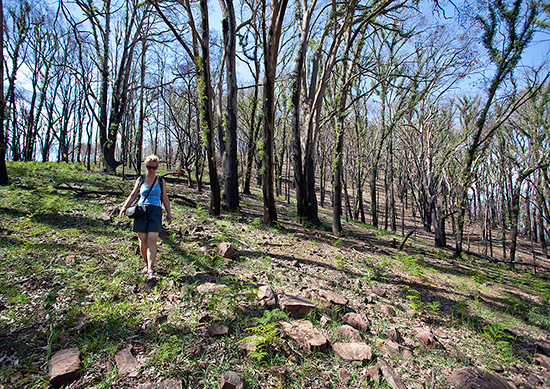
[150, 222]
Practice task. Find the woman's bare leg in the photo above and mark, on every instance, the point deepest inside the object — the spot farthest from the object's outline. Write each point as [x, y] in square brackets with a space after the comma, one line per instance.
[152, 238]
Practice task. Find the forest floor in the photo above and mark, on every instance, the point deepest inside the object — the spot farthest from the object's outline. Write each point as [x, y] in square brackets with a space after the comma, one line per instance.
[72, 278]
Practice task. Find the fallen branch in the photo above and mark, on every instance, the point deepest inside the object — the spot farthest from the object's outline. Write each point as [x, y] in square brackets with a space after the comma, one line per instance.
[405, 239]
[82, 192]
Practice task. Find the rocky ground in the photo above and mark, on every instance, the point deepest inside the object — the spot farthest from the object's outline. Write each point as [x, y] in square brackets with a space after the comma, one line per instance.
[235, 304]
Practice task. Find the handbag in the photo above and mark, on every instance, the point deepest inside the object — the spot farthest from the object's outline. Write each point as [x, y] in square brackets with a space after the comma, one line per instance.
[137, 211]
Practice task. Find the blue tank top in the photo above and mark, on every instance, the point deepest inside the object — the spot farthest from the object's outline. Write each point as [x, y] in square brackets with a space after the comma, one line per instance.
[154, 196]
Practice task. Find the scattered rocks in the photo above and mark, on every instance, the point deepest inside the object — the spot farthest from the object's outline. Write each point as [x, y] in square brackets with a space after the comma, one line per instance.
[306, 335]
[325, 298]
[280, 372]
[387, 310]
[356, 321]
[427, 339]
[217, 330]
[394, 335]
[473, 378]
[64, 366]
[378, 291]
[374, 373]
[266, 296]
[126, 363]
[227, 250]
[349, 333]
[296, 306]
[356, 351]
[209, 287]
[232, 380]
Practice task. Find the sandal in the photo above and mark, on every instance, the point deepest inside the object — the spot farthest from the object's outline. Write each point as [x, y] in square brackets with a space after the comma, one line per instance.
[144, 270]
[150, 274]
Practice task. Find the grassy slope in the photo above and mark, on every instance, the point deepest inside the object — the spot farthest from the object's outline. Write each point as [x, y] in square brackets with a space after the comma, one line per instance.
[72, 278]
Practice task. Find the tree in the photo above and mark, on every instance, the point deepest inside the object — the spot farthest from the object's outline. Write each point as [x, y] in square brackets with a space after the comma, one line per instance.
[506, 34]
[230, 171]
[3, 146]
[271, 50]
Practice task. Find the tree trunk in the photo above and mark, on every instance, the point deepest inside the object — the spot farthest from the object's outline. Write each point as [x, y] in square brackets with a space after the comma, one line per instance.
[3, 169]
[230, 168]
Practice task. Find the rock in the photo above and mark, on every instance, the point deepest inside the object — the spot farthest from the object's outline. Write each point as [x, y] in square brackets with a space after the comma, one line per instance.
[378, 291]
[325, 298]
[232, 380]
[227, 250]
[427, 339]
[390, 348]
[126, 362]
[306, 335]
[266, 295]
[473, 378]
[166, 384]
[391, 378]
[297, 307]
[543, 360]
[357, 351]
[374, 373]
[209, 287]
[195, 350]
[64, 366]
[387, 310]
[344, 374]
[394, 335]
[325, 320]
[349, 333]
[356, 321]
[217, 330]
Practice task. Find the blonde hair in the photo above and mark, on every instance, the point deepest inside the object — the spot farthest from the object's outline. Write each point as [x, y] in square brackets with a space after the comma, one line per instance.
[151, 158]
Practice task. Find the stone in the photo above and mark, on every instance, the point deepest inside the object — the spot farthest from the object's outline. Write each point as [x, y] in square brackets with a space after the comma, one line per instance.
[344, 374]
[391, 378]
[325, 298]
[208, 287]
[356, 351]
[227, 250]
[387, 310]
[427, 339]
[232, 380]
[166, 384]
[325, 320]
[374, 373]
[473, 378]
[378, 291]
[126, 362]
[64, 366]
[296, 306]
[306, 335]
[356, 321]
[349, 333]
[195, 350]
[217, 330]
[266, 296]
[543, 360]
[394, 335]
[390, 348]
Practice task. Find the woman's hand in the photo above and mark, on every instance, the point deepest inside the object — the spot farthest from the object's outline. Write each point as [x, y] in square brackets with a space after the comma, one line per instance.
[169, 219]
[122, 211]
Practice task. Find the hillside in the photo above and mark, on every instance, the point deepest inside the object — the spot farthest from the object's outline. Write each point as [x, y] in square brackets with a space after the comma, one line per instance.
[72, 280]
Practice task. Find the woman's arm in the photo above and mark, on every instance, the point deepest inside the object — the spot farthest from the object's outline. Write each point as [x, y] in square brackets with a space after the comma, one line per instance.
[133, 196]
[166, 202]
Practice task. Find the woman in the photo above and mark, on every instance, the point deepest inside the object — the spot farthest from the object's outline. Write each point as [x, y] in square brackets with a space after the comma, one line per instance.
[152, 192]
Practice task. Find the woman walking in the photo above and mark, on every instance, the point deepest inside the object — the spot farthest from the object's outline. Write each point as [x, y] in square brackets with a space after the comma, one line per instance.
[152, 192]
